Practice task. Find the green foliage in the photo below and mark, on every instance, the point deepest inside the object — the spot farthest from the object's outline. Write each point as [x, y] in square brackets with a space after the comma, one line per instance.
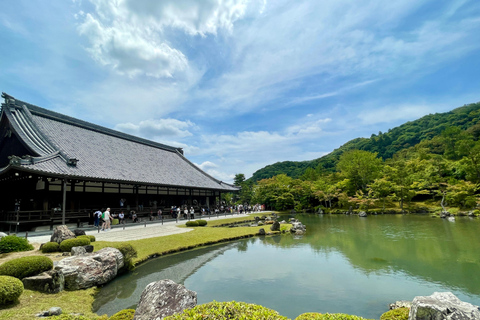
[85, 237]
[10, 289]
[396, 314]
[14, 244]
[202, 223]
[192, 223]
[327, 316]
[67, 245]
[227, 310]
[26, 266]
[92, 238]
[126, 314]
[50, 247]
[129, 253]
[78, 317]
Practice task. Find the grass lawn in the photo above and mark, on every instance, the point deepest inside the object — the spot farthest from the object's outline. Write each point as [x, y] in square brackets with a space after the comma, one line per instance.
[31, 303]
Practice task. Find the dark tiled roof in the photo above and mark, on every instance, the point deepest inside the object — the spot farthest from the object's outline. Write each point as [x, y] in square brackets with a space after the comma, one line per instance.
[102, 154]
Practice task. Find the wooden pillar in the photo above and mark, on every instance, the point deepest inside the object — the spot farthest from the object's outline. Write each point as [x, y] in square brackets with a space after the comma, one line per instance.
[64, 191]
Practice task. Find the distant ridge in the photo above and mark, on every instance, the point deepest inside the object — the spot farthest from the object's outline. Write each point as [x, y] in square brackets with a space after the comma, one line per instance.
[385, 144]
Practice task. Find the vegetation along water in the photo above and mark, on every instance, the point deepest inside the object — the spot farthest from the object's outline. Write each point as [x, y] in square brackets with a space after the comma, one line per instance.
[344, 264]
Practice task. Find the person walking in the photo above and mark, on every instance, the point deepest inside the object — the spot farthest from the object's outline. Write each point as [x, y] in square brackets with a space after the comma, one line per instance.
[106, 220]
[96, 217]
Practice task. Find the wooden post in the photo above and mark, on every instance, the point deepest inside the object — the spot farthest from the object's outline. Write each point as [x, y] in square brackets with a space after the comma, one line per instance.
[64, 187]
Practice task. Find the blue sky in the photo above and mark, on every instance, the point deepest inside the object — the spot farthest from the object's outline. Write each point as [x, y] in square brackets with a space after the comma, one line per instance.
[240, 84]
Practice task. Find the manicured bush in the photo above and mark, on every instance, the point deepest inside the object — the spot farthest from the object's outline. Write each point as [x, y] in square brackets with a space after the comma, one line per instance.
[50, 247]
[227, 310]
[114, 222]
[85, 237]
[67, 245]
[10, 289]
[26, 266]
[14, 244]
[202, 223]
[126, 314]
[128, 252]
[192, 223]
[92, 238]
[327, 316]
[396, 314]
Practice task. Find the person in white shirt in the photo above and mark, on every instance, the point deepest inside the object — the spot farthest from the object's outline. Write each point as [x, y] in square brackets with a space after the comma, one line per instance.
[106, 220]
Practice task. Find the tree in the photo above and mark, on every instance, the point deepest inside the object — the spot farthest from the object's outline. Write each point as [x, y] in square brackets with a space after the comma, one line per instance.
[360, 167]
[239, 179]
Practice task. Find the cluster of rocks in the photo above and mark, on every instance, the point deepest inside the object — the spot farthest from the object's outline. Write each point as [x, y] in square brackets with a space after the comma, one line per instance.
[82, 270]
[439, 306]
[298, 228]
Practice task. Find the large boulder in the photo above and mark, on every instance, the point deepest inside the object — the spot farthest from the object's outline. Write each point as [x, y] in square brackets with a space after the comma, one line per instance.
[61, 233]
[298, 228]
[88, 270]
[164, 298]
[79, 232]
[51, 281]
[275, 226]
[442, 306]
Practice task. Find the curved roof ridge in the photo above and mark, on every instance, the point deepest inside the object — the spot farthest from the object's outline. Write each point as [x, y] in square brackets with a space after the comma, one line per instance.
[91, 126]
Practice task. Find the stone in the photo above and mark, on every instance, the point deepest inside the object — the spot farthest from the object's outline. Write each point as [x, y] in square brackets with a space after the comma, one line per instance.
[78, 251]
[400, 304]
[92, 269]
[3, 234]
[61, 233]
[79, 232]
[257, 219]
[451, 219]
[164, 298]
[55, 311]
[298, 228]
[275, 226]
[442, 306]
[51, 281]
[362, 214]
[89, 248]
[261, 232]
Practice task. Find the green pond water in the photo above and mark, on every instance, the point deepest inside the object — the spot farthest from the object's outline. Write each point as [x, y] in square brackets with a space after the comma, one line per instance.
[343, 264]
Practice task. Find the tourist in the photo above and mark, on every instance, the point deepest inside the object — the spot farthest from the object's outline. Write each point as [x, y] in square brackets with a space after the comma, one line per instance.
[121, 217]
[185, 213]
[106, 220]
[192, 213]
[97, 215]
[159, 214]
[134, 216]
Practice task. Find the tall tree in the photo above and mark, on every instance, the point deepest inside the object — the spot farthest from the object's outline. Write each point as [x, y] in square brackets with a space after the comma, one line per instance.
[239, 179]
[360, 167]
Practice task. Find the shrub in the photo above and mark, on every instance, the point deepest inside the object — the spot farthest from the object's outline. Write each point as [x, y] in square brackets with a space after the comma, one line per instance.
[396, 314]
[128, 252]
[227, 310]
[192, 223]
[202, 223]
[77, 317]
[92, 238]
[327, 316]
[85, 237]
[14, 244]
[50, 247]
[26, 266]
[10, 289]
[67, 245]
[126, 314]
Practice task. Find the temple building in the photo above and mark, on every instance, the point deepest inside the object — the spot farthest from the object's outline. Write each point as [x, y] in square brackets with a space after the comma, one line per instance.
[54, 167]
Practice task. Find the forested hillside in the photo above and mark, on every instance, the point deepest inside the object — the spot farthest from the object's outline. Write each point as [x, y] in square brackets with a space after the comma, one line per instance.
[385, 144]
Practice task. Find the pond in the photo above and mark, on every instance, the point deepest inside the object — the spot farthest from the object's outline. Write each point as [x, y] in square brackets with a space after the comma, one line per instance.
[343, 264]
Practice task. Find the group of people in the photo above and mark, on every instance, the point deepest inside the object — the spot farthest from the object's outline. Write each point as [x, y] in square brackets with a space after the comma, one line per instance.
[103, 218]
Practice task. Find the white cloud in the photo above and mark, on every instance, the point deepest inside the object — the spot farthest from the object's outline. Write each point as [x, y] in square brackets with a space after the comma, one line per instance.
[163, 129]
[130, 36]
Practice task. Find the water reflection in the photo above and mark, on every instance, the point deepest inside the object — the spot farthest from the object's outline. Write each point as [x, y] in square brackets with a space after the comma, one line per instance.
[343, 264]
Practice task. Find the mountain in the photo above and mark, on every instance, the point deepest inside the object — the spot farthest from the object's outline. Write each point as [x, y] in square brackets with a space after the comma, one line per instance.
[385, 144]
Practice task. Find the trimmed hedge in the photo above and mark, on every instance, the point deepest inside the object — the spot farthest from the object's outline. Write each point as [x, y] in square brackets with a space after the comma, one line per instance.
[50, 247]
[396, 314]
[26, 266]
[126, 314]
[67, 245]
[85, 237]
[227, 310]
[10, 289]
[202, 223]
[92, 238]
[14, 244]
[192, 223]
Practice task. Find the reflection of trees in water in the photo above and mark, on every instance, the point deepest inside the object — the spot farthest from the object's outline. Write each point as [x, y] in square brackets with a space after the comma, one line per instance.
[125, 290]
[434, 249]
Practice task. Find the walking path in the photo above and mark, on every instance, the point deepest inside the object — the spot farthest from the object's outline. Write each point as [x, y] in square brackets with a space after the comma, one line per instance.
[136, 231]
